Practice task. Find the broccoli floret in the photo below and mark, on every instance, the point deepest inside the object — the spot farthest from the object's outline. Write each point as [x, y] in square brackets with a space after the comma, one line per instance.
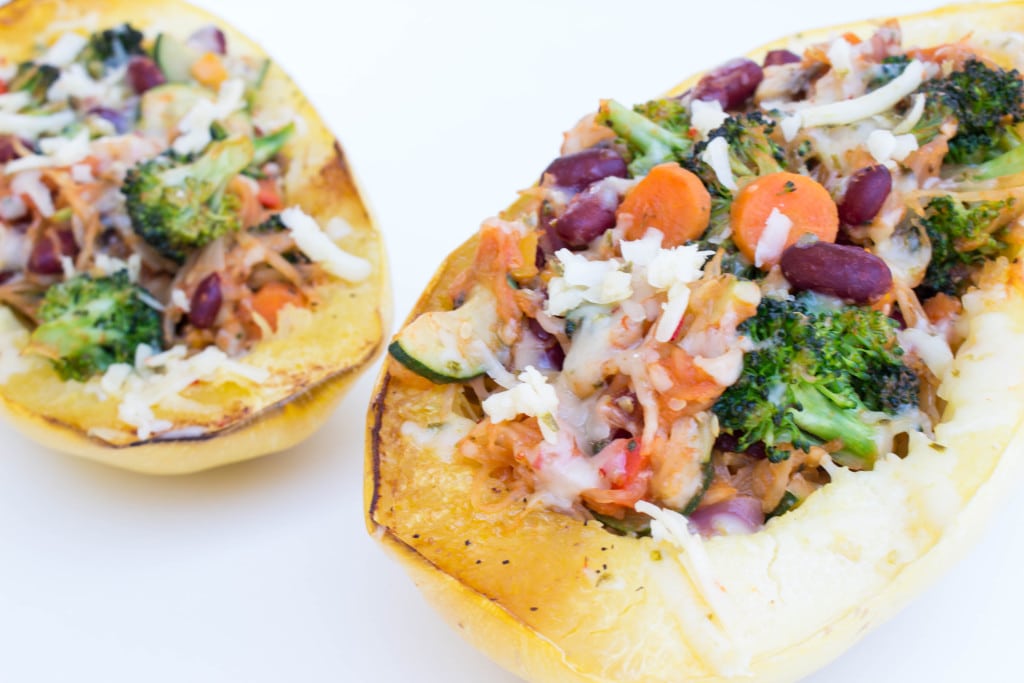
[34, 79]
[87, 324]
[669, 113]
[889, 69]
[178, 207]
[650, 143]
[111, 49]
[816, 370]
[752, 153]
[984, 101]
[962, 236]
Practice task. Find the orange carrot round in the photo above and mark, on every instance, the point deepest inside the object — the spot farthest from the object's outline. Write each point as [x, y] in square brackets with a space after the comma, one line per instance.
[210, 70]
[671, 199]
[804, 201]
[272, 297]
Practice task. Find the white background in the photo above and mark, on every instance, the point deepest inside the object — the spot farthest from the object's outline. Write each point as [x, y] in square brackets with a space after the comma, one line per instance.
[264, 571]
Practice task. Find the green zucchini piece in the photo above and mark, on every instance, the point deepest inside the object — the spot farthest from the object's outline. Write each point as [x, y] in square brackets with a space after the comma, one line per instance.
[174, 58]
[162, 108]
[451, 346]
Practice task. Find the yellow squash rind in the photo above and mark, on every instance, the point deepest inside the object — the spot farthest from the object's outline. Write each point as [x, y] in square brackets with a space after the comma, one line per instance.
[556, 600]
[310, 366]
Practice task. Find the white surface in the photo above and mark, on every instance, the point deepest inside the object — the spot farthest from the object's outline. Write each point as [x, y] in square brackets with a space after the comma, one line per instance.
[264, 571]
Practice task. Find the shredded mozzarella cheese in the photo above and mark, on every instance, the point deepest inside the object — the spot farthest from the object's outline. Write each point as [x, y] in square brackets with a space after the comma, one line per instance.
[531, 396]
[582, 280]
[840, 57]
[850, 111]
[773, 239]
[705, 116]
[195, 126]
[56, 153]
[31, 126]
[30, 184]
[158, 377]
[716, 155]
[65, 50]
[315, 244]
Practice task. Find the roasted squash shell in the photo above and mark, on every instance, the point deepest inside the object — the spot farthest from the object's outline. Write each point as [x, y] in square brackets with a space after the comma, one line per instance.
[553, 598]
[310, 366]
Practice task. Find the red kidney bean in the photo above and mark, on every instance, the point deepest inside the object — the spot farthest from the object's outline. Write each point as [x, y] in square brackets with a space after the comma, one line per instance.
[586, 217]
[776, 57]
[144, 74]
[576, 171]
[844, 271]
[47, 250]
[553, 356]
[209, 39]
[549, 241]
[741, 514]
[206, 302]
[538, 331]
[7, 150]
[866, 191]
[897, 315]
[731, 84]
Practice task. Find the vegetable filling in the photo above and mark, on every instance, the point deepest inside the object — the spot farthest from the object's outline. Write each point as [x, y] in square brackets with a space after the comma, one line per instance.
[145, 240]
[710, 301]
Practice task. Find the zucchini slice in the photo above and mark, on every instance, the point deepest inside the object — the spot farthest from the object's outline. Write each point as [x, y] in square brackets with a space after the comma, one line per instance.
[451, 346]
[174, 58]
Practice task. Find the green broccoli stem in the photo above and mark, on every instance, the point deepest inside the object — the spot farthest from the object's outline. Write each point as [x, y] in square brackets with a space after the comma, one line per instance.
[266, 148]
[221, 162]
[655, 144]
[1007, 163]
[823, 418]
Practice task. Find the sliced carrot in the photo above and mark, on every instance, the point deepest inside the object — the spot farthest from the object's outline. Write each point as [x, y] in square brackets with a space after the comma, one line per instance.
[799, 198]
[671, 199]
[272, 297]
[209, 70]
[942, 307]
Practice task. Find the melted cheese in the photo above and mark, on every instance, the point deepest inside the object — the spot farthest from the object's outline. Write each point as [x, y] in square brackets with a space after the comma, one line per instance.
[532, 396]
[156, 378]
[314, 243]
[850, 111]
[586, 281]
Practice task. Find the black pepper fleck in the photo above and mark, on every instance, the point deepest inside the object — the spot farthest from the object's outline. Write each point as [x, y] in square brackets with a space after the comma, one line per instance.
[504, 561]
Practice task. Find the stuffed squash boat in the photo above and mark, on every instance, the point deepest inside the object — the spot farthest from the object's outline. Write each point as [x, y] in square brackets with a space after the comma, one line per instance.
[188, 274]
[737, 377]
